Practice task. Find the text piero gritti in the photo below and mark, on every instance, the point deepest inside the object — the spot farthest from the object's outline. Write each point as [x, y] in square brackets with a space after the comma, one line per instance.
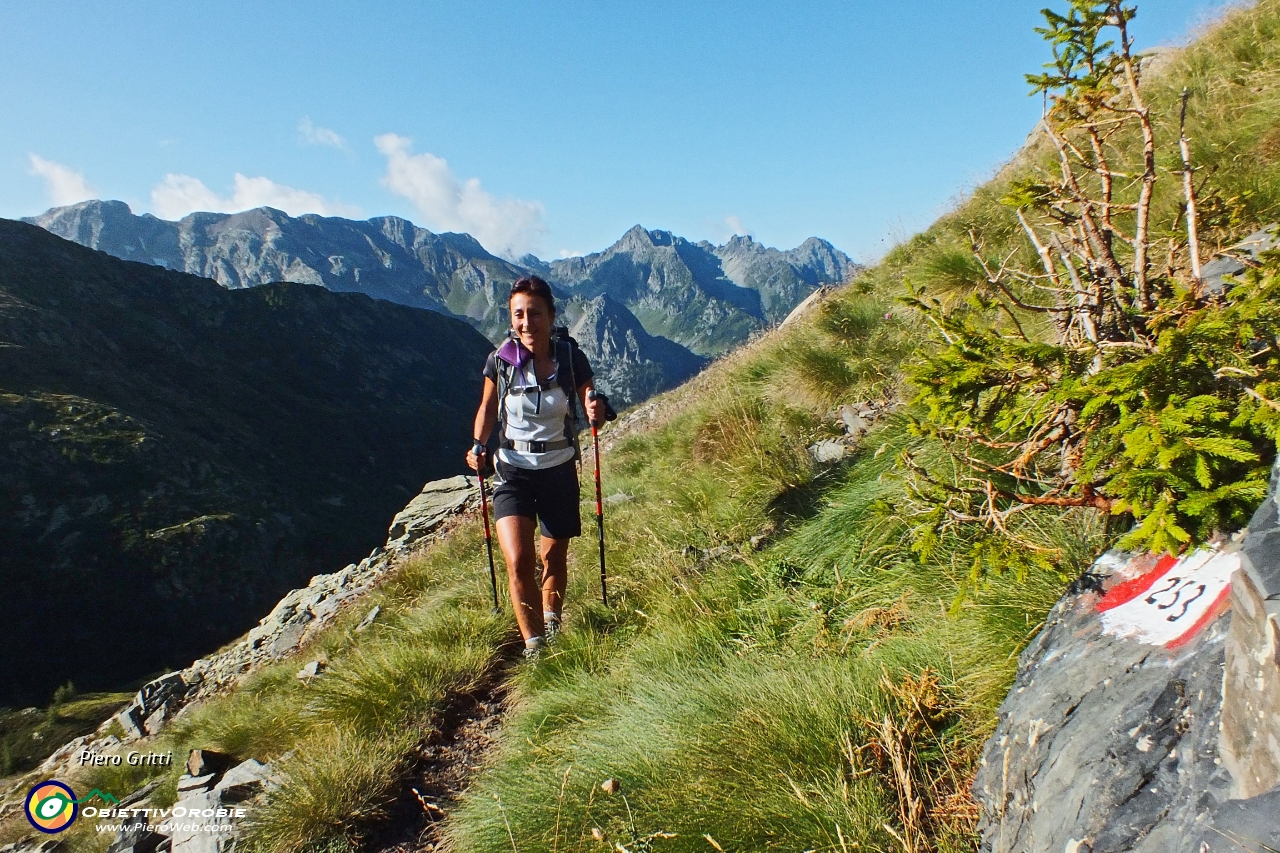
[135, 758]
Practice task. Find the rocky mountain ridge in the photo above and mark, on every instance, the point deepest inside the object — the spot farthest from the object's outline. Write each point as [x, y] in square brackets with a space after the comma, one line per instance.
[385, 257]
[707, 298]
[672, 303]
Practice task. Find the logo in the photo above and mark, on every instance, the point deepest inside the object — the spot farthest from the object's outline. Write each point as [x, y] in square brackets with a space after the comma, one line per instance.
[51, 807]
[101, 795]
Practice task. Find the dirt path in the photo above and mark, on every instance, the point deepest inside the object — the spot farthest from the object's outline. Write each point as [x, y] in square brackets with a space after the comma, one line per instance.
[444, 765]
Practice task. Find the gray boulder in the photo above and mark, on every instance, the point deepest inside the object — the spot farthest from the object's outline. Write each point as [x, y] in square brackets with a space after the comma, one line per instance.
[243, 780]
[192, 833]
[1121, 735]
[369, 617]
[438, 500]
[1236, 259]
[827, 452]
[1104, 741]
[192, 784]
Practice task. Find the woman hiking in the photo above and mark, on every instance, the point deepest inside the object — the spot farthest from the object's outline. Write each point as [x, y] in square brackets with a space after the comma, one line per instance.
[533, 384]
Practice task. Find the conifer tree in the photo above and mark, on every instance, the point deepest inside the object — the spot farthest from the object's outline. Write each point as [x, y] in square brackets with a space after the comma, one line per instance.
[1079, 374]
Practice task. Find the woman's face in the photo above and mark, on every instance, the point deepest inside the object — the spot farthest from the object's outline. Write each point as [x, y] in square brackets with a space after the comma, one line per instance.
[531, 321]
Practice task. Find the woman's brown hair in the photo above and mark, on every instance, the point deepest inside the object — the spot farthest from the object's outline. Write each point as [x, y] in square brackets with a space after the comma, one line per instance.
[535, 286]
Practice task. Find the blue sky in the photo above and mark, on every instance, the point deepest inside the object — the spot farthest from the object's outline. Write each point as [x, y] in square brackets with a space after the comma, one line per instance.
[535, 126]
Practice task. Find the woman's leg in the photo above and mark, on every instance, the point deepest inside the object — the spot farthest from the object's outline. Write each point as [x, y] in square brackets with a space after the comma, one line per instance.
[515, 535]
[555, 561]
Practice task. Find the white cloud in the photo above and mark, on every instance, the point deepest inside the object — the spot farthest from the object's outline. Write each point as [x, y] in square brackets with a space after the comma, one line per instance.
[736, 227]
[507, 226]
[313, 135]
[178, 195]
[571, 253]
[64, 185]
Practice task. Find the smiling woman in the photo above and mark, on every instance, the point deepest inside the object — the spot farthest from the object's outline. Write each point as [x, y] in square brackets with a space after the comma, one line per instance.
[534, 385]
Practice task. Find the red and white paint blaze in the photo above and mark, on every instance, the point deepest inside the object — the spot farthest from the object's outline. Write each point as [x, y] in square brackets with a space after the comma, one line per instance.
[1169, 605]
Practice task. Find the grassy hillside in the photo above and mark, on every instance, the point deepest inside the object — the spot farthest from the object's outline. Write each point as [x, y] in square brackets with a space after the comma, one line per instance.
[826, 688]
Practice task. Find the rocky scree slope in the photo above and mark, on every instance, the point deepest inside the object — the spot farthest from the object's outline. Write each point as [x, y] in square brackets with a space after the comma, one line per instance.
[701, 298]
[175, 455]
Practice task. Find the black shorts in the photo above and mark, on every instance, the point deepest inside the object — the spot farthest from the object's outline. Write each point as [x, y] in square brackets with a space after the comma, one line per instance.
[549, 495]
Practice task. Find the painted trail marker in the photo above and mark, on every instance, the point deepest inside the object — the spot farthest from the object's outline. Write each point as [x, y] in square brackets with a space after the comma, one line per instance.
[1169, 605]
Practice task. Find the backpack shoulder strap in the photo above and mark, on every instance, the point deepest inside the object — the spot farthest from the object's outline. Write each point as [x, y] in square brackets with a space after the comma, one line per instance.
[566, 350]
[505, 370]
[565, 346]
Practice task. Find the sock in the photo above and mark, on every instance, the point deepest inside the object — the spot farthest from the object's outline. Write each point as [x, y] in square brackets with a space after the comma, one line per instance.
[533, 643]
[549, 616]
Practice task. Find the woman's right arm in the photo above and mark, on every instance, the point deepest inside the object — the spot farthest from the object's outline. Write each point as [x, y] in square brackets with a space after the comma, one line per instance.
[486, 417]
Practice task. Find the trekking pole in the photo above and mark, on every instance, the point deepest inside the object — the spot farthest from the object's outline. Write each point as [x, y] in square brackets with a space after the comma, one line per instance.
[595, 446]
[488, 537]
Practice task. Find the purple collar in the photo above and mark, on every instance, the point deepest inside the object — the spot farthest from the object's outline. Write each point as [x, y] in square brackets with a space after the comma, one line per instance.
[514, 353]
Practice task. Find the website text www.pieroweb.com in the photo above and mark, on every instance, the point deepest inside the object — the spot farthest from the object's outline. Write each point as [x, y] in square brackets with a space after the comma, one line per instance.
[52, 807]
[165, 821]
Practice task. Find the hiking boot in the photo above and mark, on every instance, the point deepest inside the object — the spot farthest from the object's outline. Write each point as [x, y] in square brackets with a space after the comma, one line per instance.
[531, 653]
[551, 631]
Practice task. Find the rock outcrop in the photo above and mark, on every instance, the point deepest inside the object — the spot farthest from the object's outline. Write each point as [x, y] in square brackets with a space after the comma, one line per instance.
[856, 420]
[424, 514]
[1234, 260]
[1250, 745]
[1145, 716]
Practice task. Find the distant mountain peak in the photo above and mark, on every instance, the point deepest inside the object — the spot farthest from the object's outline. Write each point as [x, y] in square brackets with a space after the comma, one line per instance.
[705, 297]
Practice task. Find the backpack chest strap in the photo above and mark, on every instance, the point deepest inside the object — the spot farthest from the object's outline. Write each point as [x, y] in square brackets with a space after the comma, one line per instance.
[544, 385]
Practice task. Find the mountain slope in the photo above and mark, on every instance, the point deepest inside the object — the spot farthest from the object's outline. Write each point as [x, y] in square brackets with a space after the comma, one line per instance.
[782, 278]
[174, 455]
[779, 668]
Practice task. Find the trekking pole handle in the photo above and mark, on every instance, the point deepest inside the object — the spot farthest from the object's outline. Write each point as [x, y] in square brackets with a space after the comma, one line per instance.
[608, 414]
[592, 396]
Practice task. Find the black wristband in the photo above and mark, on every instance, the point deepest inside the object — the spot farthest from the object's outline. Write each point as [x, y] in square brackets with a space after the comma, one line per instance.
[478, 448]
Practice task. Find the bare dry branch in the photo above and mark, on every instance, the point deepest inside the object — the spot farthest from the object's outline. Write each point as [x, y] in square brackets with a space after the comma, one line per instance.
[1189, 192]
